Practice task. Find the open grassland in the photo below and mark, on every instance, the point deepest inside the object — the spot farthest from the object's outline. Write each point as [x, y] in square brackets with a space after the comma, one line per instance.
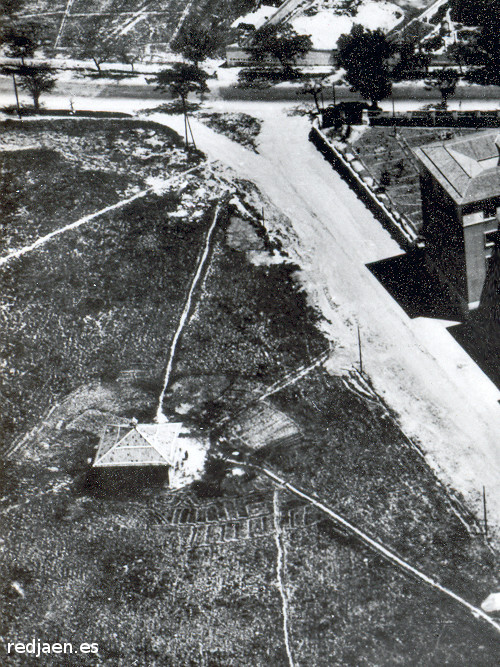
[107, 295]
[151, 24]
[54, 172]
[190, 578]
[347, 607]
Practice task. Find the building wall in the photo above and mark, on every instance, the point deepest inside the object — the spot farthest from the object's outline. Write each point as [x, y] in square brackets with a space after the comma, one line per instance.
[477, 225]
[237, 56]
[443, 231]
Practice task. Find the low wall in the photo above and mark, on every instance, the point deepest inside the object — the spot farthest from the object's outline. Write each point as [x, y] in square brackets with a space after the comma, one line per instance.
[471, 119]
[237, 56]
[362, 184]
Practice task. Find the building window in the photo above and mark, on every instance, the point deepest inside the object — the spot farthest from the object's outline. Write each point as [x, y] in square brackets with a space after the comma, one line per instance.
[491, 238]
[490, 209]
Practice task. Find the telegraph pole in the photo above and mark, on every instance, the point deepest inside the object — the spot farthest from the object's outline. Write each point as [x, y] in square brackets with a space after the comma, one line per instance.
[360, 352]
[16, 94]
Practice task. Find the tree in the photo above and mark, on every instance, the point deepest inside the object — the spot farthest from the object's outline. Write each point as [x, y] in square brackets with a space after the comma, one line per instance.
[312, 88]
[488, 42]
[463, 53]
[445, 81]
[363, 54]
[410, 61]
[92, 42]
[197, 43]
[22, 41]
[127, 50]
[180, 80]
[36, 79]
[280, 42]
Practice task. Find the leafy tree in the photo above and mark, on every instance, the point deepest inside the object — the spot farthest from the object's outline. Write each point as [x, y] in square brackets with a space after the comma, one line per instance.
[463, 53]
[22, 41]
[36, 79]
[92, 42]
[411, 60]
[488, 42]
[312, 88]
[127, 50]
[180, 80]
[472, 12]
[483, 49]
[363, 54]
[445, 81]
[280, 42]
[196, 42]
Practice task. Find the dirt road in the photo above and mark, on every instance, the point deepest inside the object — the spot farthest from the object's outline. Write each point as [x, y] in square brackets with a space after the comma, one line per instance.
[443, 399]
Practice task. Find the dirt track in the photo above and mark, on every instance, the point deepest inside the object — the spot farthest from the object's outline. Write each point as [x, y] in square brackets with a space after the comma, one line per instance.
[443, 399]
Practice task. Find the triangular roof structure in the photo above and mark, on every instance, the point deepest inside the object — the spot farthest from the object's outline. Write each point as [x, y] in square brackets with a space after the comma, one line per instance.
[139, 445]
[466, 167]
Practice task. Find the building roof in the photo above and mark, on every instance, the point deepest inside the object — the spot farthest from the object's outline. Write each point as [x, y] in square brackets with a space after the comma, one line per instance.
[466, 167]
[138, 445]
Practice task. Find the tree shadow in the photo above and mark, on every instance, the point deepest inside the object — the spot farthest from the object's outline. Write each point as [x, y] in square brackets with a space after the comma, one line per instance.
[419, 293]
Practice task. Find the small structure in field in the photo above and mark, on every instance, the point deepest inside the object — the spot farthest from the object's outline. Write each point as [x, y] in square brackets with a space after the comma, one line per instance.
[165, 445]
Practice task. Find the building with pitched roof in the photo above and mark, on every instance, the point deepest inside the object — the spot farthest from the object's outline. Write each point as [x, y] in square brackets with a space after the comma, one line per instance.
[460, 187]
[164, 445]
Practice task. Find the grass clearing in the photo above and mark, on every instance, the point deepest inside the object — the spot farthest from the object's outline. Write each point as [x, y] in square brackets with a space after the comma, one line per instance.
[189, 578]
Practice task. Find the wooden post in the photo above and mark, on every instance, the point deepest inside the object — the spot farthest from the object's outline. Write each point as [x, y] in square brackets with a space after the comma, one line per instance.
[360, 352]
[485, 513]
[17, 95]
[191, 131]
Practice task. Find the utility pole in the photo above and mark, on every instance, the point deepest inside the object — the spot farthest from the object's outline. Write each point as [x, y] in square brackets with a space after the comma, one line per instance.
[485, 513]
[360, 352]
[17, 95]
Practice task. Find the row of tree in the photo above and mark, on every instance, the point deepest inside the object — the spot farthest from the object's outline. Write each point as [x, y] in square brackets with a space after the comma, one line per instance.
[370, 61]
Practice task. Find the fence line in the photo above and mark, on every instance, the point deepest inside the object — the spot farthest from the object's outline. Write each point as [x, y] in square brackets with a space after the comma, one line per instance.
[375, 545]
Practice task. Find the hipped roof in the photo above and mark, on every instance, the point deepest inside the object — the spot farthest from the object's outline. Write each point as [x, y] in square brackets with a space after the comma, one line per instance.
[466, 167]
[138, 445]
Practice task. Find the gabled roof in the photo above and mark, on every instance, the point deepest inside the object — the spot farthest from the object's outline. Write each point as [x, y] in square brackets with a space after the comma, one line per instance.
[466, 167]
[138, 445]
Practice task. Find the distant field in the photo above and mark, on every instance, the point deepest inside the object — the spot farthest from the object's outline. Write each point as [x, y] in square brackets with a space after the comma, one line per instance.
[149, 23]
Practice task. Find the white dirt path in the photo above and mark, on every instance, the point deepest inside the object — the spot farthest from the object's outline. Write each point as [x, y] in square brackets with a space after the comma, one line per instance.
[160, 416]
[73, 225]
[443, 399]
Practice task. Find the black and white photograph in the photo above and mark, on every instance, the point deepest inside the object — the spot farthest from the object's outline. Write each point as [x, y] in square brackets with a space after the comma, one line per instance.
[249, 333]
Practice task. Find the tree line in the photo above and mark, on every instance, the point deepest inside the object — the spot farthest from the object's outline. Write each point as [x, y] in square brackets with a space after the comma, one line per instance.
[370, 59]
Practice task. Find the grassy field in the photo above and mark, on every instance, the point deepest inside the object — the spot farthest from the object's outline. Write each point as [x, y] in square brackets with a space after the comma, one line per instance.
[151, 24]
[53, 173]
[190, 578]
[80, 307]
